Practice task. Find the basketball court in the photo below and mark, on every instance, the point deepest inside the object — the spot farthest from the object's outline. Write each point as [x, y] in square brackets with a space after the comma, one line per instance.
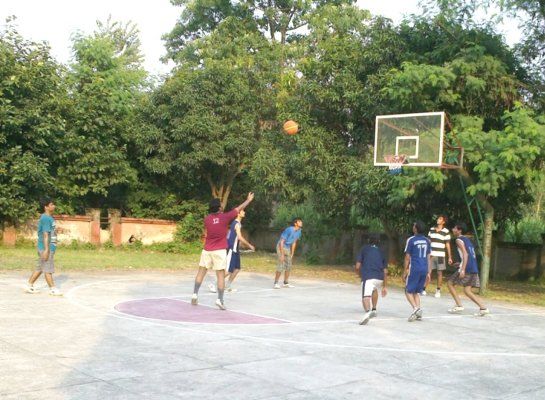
[136, 336]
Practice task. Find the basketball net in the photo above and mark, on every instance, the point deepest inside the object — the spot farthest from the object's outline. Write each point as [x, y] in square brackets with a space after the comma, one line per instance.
[395, 163]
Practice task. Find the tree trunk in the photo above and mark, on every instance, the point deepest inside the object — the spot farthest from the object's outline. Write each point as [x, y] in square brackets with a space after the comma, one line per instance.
[223, 189]
[488, 231]
[487, 247]
[394, 250]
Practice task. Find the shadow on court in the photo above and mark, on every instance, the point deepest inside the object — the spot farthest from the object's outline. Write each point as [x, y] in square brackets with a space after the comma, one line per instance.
[87, 345]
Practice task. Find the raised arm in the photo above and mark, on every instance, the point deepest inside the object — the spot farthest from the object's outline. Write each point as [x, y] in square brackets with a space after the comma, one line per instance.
[248, 201]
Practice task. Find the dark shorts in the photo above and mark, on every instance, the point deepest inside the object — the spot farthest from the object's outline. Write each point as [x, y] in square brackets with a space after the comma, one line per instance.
[233, 261]
[416, 280]
[468, 280]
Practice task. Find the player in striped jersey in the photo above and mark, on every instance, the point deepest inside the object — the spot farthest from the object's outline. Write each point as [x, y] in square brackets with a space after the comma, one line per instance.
[440, 247]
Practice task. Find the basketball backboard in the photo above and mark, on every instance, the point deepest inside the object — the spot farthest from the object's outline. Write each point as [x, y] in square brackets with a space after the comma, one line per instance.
[418, 137]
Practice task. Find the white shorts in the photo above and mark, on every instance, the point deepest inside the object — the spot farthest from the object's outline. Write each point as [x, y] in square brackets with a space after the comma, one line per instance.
[215, 259]
[369, 286]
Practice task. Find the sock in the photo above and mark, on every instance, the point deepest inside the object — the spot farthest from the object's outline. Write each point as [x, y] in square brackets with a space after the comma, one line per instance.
[285, 282]
[220, 294]
[197, 287]
[374, 309]
[438, 289]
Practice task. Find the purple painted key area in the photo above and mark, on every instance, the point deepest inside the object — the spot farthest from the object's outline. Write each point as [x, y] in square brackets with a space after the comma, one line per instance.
[182, 311]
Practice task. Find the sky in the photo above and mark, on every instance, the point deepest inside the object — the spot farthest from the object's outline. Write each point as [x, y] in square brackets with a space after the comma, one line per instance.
[55, 21]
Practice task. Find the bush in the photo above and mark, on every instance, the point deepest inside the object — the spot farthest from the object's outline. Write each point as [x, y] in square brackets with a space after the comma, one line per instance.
[176, 247]
[77, 245]
[527, 230]
[189, 229]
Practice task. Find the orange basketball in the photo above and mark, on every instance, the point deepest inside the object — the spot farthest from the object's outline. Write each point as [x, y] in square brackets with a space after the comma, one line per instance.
[291, 127]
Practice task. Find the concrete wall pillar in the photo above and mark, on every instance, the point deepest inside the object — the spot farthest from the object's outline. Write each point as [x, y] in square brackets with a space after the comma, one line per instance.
[94, 225]
[114, 220]
[10, 235]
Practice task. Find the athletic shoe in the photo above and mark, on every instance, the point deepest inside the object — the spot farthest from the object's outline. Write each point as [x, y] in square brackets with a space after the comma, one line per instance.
[373, 313]
[220, 304]
[456, 310]
[419, 314]
[482, 312]
[276, 286]
[437, 294]
[212, 287]
[31, 289]
[194, 299]
[366, 318]
[287, 285]
[413, 316]
[423, 293]
[55, 292]
[232, 290]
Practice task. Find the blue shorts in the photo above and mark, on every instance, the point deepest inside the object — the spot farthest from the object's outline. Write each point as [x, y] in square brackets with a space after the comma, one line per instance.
[233, 261]
[416, 281]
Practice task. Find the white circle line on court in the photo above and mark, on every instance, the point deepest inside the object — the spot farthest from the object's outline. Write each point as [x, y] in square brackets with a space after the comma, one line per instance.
[203, 305]
[70, 298]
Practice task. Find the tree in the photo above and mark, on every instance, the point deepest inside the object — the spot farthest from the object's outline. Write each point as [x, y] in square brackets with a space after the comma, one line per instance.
[208, 117]
[105, 82]
[278, 20]
[32, 95]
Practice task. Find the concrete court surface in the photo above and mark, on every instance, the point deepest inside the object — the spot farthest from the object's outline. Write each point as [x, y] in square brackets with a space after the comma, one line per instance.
[299, 343]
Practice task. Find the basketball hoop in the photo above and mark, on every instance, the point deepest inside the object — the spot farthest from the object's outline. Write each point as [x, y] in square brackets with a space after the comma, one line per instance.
[395, 163]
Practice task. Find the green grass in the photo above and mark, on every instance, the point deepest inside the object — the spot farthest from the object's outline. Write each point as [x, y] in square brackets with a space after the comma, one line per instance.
[129, 259]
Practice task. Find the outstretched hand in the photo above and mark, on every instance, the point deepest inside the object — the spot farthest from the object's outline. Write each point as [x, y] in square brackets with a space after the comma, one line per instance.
[250, 196]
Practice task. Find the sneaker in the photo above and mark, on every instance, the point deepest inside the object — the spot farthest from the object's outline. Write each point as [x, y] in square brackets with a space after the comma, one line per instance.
[220, 304]
[31, 289]
[419, 314]
[55, 292]
[212, 288]
[437, 293]
[287, 285]
[366, 318]
[232, 290]
[456, 310]
[194, 299]
[413, 316]
[276, 286]
[423, 293]
[482, 312]
[373, 313]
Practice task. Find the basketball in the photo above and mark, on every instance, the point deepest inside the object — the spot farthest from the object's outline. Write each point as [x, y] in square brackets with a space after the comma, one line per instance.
[291, 127]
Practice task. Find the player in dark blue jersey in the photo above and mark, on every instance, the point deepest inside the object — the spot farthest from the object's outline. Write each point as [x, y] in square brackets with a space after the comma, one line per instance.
[417, 268]
[234, 239]
[467, 274]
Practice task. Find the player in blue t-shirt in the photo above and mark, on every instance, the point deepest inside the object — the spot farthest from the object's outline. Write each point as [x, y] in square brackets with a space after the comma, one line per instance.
[417, 268]
[467, 274]
[285, 249]
[372, 268]
[234, 239]
[47, 244]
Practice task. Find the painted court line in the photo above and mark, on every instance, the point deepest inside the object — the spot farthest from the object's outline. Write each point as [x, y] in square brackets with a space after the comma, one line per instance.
[266, 340]
[196, 308]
